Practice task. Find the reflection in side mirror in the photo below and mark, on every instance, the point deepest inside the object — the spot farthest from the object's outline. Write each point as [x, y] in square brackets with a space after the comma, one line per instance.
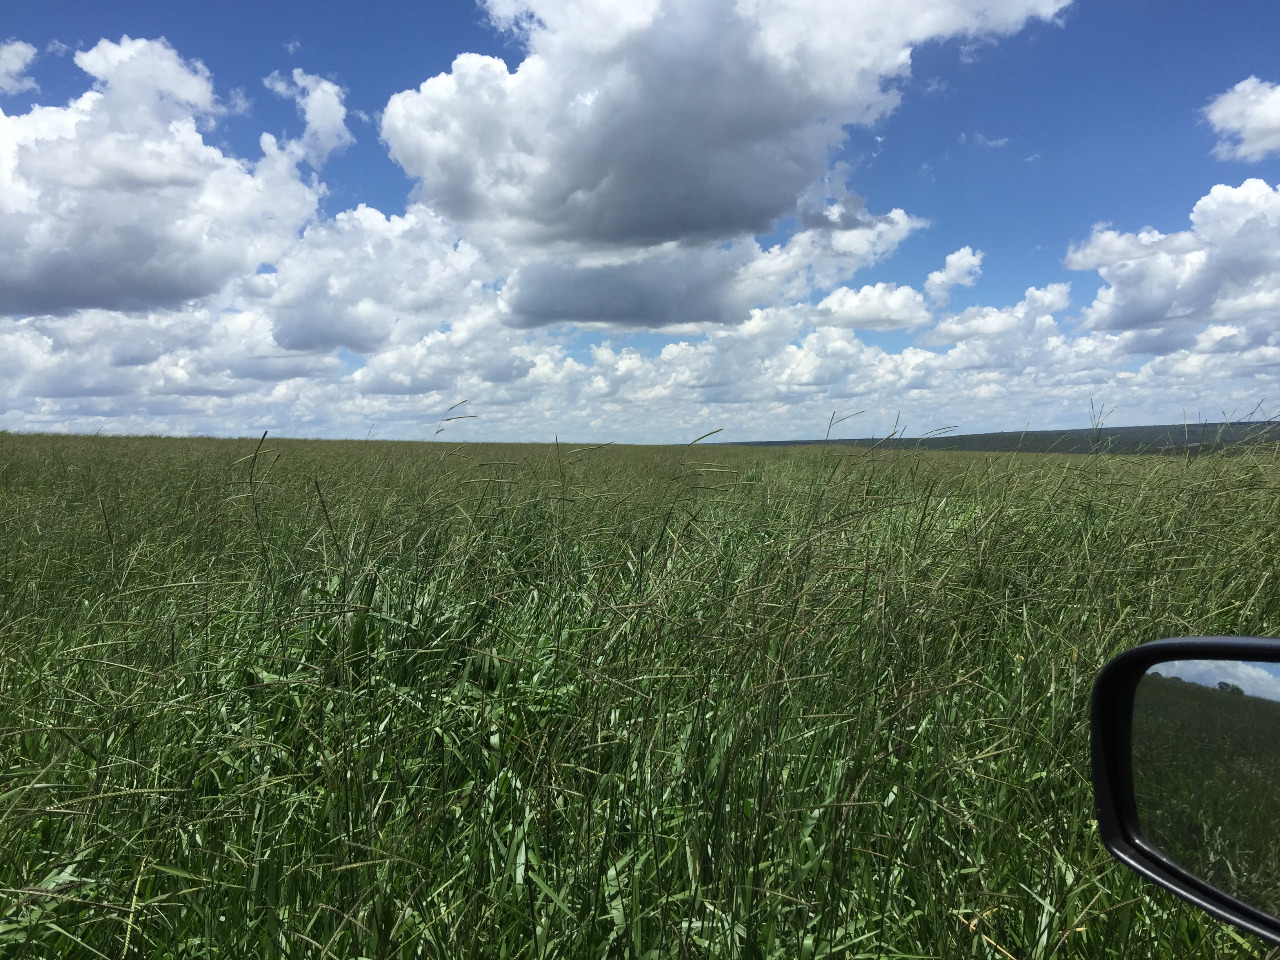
[1206, 772]
[1185, 744]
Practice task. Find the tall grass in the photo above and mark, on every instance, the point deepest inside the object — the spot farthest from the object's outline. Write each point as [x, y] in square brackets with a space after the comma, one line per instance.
[394, 700]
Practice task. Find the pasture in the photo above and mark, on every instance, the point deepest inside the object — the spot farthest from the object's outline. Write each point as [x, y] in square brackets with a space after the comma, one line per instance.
[366, 699]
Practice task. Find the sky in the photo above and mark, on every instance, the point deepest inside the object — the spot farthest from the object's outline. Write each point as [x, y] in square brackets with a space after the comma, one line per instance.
[637, 220]
[1256, 678]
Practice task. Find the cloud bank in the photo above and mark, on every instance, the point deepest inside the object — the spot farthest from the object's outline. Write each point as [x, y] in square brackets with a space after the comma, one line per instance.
[581, 252]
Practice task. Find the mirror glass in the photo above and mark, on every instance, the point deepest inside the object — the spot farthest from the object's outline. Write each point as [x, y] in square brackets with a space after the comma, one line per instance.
[1206, 772]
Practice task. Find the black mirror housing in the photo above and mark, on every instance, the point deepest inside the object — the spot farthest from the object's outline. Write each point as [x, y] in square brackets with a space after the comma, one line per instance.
[1111, 742]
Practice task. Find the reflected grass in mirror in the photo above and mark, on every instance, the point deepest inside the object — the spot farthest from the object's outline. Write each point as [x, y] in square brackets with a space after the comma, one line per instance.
[1206, 772]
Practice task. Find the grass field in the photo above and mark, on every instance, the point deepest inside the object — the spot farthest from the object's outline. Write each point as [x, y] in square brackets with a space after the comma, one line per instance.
[398, 700]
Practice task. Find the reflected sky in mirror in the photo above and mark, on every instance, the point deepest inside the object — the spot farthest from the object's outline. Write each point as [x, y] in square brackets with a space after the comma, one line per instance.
[1256, 678]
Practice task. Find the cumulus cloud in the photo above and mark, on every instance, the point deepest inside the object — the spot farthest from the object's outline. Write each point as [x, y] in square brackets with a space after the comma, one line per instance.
[116, 201]
[1036, 308]
[561, 208]
[821, 257]
[882, 306]
[961, 269]
[1160, 289]
[671, 284]
[1247, 120]
[620, 198]
[595, 137]
[15, 57]
[320, 104]
[363, 281]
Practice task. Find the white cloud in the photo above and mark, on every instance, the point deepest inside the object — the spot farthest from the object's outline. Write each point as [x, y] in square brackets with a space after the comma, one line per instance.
[884, 306]
[15, 57]
[149, 77]
[116, 201]
[1036, 308]
[1247, 120]
[961, 269]
[1162, 288]
[320, 104]
[595, 138]
[982, 141]
[597, 25]
[364, 281]
[824, 255]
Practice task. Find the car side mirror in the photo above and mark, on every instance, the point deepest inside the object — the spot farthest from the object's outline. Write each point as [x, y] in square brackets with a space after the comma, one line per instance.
[1185, 741]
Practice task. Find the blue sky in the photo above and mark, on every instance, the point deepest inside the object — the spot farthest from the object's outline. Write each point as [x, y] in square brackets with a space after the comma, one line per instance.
[636, 221]
[1108, 104]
